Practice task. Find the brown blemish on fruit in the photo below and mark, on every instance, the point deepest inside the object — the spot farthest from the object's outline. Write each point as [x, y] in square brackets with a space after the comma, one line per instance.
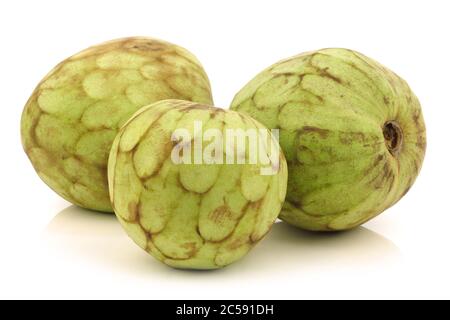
[237, 243]
[254, 240]
[391, 184]
[133, 210]
[215, 112]
[320, 98]
[285, 75]
[323, 133]
[387, 172]
[416, 117]
[409, 99]
[243, 212]
[296, 203]
[385, 176]
[377, 161]
[386, 100]
[151, 46]
[355, 67]
[421, 143]
[167, 257]
[348, 138]
[256, 204]
[416, 166]
[220, 214]
[200, 106]
[191, 247]
[324, 73]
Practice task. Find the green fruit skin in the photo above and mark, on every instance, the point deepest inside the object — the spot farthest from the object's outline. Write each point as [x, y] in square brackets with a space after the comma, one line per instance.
[331, 107]
[73, 115]
[190, 216]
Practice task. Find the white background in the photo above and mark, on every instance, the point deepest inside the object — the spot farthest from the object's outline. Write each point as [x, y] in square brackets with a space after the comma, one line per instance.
[49, 249]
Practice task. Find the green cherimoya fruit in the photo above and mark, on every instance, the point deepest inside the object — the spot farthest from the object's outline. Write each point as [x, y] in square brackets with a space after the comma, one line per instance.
[203, 215]
[352, 132]
[73, 115]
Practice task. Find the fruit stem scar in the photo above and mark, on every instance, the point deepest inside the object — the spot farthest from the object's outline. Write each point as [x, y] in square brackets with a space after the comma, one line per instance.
[393, 136]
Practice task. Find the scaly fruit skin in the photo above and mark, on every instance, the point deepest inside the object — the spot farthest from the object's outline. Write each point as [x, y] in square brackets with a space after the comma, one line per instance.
[192, 216]
[73, 115]
[352, 132]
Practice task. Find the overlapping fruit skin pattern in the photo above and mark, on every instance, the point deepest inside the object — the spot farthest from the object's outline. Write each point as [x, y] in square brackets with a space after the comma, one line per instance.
[73, 115]
[352, 132]
[195, 216]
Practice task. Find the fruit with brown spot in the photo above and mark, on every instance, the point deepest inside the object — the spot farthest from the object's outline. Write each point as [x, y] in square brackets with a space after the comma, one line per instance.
[73, 115]
[194, 214]
[352, 132]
